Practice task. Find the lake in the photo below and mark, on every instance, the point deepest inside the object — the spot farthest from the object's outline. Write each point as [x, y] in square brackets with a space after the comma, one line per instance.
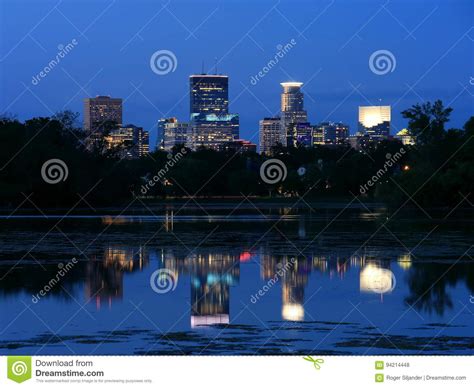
[242, 278]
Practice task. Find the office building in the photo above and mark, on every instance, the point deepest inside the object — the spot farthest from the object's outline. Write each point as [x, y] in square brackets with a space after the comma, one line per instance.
[211, 122]
[330, 133]
[174, 133]
[374, 121]
[128, 141]
[100, 112]
[292, 107]
[299, 135]
[271, 134]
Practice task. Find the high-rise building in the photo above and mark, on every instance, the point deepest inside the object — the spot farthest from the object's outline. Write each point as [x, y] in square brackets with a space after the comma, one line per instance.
[101, 110]
[270, 134]
[299, 134]
[374, 121]
[174, 133]
[292, 106]
[211, 122]
[330, 133]
[130, 141]
[209, 94]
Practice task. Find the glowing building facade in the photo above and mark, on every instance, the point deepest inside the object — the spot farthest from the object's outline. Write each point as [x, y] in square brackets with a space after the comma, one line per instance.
[374, 121]
[211, 123]
[292, 108]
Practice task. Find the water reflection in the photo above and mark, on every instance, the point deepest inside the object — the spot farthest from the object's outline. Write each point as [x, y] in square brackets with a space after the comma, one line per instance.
[211, 277]
[212, 274]
[104, 278]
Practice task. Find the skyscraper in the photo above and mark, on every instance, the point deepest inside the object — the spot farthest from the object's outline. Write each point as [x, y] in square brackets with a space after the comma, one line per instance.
[292, 108]
[129, 140]
[374, 121]
[209, 94]
[330, 133]
[211, 122]
[174, 133]
[270, 134]
[299, 134]
[100, 110]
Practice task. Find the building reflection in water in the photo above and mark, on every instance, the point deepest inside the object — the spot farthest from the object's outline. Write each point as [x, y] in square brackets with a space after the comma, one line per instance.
[212, 274]
[293, 274]
[104, 276]
[376, 279]
[211, 277]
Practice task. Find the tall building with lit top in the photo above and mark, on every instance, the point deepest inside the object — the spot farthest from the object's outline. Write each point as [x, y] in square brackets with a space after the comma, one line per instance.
[374, 122]
[211, 122]
[292, 107]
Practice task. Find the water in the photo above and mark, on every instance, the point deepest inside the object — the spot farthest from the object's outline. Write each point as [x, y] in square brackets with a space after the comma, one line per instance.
[278, 280]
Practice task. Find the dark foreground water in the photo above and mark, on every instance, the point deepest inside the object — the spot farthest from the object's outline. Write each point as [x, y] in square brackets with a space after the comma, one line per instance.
[220, 280]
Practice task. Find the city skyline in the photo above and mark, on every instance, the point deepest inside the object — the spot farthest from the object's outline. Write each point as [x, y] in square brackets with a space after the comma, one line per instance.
[336, 74]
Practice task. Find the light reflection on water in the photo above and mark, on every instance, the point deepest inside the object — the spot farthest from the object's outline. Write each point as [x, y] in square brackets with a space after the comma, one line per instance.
[236, 294]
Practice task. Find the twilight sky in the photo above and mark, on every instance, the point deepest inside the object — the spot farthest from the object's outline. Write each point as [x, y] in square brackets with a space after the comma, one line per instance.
[432, 42]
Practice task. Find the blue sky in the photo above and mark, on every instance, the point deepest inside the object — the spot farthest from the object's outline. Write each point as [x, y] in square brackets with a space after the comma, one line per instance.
[431, 41]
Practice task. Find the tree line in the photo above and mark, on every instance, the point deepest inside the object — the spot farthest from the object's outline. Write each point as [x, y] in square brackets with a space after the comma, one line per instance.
[434, 172]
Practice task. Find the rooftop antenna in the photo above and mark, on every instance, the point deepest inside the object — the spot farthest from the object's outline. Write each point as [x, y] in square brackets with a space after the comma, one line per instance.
[202, 71]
